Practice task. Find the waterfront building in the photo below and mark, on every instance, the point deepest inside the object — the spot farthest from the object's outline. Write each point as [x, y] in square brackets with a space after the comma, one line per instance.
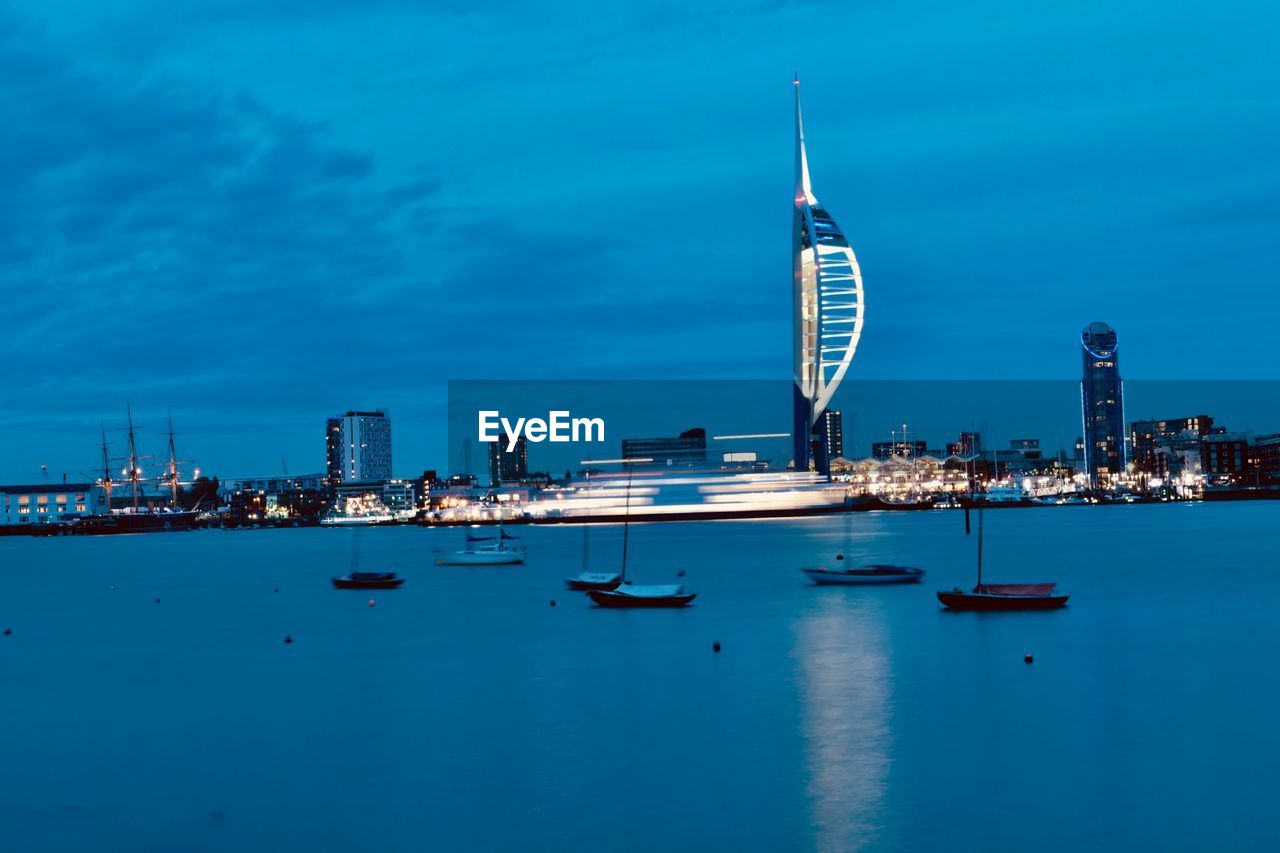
[278, 484]
[828, 443]
[1266, 458]
[508, 466]
[374, 498]
[1146, 436]
[689, 449]
[1102, 405]
[827, 306]
[1178, 461]
[424, 485]
[1028, 448]
[50, 502]
[1227, 456]
[899, 477]
[358, 447]
[399, 495]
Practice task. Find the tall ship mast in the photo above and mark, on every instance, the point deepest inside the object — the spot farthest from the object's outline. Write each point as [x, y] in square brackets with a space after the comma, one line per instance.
[106, 465]
[134, 472]
[139, 518]
[171, 475]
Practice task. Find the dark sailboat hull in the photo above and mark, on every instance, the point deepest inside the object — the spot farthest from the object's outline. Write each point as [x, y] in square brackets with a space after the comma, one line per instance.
[586, 586]
[959, 600]
[350, 583]
[142, 522]
[606, 598]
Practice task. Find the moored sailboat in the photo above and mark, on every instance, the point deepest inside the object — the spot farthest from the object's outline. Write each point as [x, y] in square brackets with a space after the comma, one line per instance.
[497, 553]
[1002, 596]
[875, 574]
[627, 595]
[585, 580]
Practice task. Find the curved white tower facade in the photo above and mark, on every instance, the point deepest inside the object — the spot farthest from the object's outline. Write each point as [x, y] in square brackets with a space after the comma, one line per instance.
[827, 306]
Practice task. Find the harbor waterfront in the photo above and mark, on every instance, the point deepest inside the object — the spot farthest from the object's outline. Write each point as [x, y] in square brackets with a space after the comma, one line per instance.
[152, 703]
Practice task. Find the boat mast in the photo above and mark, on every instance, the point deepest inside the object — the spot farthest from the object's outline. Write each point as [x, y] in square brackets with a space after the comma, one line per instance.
[173, 466]
[980, 546]
[133, 459]
[626, 521]
[106, 465]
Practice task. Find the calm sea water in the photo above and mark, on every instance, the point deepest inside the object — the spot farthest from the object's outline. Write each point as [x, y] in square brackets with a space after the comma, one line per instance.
[464, 712]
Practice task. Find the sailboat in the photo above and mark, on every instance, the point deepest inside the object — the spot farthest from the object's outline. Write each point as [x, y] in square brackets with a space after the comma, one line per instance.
[497, 553]
[872, 574]
[138, 518]
[365, 580]
[1002, 596]
[586, 580]
[626, 595]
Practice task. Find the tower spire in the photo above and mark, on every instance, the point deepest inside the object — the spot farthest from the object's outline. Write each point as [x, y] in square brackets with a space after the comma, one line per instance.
[804, 190]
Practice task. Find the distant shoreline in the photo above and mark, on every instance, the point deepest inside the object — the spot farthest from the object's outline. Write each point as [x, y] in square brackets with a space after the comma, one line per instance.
[641, 517]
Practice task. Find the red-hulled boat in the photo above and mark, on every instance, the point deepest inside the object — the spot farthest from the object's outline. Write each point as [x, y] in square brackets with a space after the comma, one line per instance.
[1005, 596]
[1002, 596]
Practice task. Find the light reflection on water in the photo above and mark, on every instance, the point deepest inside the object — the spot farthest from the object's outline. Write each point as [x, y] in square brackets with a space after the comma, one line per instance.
[845, 681]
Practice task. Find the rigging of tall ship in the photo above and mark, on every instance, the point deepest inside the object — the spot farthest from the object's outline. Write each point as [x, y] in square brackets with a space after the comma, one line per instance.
[141, 513]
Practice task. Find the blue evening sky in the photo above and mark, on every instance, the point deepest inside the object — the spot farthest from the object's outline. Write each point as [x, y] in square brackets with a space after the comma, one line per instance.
[261, 214]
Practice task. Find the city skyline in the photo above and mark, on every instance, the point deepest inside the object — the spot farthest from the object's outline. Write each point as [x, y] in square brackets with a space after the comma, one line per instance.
[231, 212]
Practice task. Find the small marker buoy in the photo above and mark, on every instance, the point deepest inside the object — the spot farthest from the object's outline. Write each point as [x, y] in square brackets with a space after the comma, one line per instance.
[715, 647]
[112, 587]
[157, 601]
[839, 556]
[8, 632]
[553, 602]
[288, 639]
[373, 603]
[680, 573]
[277, 589]
[1028, 658]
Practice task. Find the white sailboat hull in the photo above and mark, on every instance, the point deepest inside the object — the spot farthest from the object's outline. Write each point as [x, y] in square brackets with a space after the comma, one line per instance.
[505, 557]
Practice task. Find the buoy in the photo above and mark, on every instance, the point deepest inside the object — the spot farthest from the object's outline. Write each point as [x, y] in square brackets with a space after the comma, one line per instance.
[1028, 658]
[553, 602]
[288, 639]
[680, 573]
[715, 647]
[373, 603]
[8, 632]
[839, 556]
[277, 589]
[157, 601]
[112, 587]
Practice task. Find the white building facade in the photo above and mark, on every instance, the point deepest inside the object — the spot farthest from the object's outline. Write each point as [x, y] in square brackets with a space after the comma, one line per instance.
[50, 502]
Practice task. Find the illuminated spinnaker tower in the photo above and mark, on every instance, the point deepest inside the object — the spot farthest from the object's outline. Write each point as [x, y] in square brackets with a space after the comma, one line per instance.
[828, 307]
